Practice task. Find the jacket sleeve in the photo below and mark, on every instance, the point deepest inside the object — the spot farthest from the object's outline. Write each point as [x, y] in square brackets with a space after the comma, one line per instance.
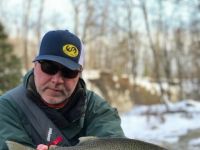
[101, 119]
[11, 126]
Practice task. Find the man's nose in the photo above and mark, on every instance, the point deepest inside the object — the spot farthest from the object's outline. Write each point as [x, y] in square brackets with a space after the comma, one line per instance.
[58, 78]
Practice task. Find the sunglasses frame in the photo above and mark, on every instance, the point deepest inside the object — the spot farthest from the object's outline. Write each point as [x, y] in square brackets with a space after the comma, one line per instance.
[51, 68]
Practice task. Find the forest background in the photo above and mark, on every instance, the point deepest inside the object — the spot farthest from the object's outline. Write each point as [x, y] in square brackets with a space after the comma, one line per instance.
[127, 42]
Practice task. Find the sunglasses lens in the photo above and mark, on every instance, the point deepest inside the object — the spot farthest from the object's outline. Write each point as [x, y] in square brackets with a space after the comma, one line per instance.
[49, 67]
[52, 68]
[67, 73]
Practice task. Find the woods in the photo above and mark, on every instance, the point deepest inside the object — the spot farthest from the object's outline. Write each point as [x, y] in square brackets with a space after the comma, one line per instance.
[154, 39]
[10, 75]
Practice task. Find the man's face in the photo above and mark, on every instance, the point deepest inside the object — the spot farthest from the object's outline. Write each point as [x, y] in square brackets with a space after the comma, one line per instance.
[54, 88]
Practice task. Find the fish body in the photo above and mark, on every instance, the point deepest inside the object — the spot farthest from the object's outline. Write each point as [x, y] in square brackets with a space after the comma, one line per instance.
[98, 144]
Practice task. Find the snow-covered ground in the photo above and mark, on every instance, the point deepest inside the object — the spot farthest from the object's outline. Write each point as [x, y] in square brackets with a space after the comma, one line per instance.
[178, 129]
[161, 127]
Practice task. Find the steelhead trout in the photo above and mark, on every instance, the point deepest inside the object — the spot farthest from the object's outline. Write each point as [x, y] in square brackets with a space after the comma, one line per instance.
[97, 144]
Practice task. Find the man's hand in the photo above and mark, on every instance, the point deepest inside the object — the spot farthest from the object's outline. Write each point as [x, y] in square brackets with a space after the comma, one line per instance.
[45, 147]
[42, 147]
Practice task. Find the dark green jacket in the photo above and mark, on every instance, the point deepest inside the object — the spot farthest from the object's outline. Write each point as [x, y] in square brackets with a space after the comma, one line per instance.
[86, 115]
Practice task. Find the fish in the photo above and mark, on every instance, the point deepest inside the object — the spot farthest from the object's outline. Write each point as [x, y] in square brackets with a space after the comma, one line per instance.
[88, 143]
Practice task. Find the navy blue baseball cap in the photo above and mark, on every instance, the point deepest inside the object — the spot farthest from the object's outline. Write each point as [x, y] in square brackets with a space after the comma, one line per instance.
[62, 47]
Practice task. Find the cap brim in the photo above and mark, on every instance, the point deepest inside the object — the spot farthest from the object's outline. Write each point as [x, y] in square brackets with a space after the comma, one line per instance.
[63, 61]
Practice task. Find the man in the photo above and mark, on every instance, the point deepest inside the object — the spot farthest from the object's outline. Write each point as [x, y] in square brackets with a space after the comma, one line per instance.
[55, 86]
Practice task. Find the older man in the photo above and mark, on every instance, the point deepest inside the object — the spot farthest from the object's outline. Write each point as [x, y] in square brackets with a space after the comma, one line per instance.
[55, 90]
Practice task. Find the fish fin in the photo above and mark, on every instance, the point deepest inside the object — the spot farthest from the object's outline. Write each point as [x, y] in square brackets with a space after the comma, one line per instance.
[87, 138]
[17, 146]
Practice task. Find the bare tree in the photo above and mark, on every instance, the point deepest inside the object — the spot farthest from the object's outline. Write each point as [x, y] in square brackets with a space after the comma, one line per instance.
[25, 30]
[1, 8]
[91, 26]
[129, 7]
[77, 10]
[88, 21]
[194, 49]
[163, 42]
[154, 50]
[179, 44]
[39, 20]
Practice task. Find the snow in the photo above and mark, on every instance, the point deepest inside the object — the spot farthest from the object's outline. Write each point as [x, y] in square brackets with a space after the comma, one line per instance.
[195, 141]
[177, 128]
[154, 124]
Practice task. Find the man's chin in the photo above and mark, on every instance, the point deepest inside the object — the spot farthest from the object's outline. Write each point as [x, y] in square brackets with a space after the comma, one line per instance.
[53, 100]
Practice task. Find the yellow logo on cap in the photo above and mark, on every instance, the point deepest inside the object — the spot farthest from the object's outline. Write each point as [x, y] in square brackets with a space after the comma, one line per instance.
[70, 50]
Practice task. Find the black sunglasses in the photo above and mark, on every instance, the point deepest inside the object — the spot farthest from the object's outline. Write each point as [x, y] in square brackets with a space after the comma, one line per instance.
[51, 68]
